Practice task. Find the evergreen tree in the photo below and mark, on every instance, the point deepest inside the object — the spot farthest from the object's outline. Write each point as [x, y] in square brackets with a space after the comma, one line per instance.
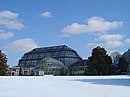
[20, 71]
[99, 63]
[122, 65]
[3, 64]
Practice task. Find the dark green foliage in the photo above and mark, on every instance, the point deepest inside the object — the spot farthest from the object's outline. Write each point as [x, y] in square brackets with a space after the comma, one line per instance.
[115, 70]
[3, 64]
[122, 65]
[99, 63]
[20, 71]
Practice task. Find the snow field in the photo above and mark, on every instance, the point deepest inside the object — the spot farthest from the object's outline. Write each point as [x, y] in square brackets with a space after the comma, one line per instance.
[65, 86]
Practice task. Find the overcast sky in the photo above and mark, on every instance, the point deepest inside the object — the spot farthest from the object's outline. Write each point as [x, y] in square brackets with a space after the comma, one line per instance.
[80, 24]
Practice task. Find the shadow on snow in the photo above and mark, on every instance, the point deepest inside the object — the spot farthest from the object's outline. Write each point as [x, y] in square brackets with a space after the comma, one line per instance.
[117, 82]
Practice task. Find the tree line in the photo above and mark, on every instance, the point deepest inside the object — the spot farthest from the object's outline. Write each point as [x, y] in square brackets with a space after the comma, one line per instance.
[99, 63]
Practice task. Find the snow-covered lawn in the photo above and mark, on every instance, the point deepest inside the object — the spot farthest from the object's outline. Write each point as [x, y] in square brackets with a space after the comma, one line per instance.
[65, 86]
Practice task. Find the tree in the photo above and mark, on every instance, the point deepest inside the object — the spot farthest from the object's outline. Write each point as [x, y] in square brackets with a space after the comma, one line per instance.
[3, 64]
[20, 71]
[122, 65]
[99, 63]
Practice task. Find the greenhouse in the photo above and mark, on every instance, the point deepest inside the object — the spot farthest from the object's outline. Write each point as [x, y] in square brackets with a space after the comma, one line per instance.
[78, 68]
[52, 66]
[63, 55]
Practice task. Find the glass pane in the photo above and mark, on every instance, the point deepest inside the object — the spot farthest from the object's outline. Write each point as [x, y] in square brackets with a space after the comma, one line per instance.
[36, 56]
[42, 55]
[30, 56]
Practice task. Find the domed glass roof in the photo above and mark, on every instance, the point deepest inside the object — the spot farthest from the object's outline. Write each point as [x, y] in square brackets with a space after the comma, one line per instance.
[127, 56]
[50, 62]
[52, 66]
[127, 53]
[62, 53]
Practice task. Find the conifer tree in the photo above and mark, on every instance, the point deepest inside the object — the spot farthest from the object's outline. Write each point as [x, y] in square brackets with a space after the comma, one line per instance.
[122, 65]
[99, 63]
[3, 64]
[20, 71]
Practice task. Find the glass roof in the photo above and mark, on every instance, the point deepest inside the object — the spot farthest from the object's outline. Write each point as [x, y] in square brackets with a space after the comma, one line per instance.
[62, 53]
[56, 51]
[79, 63]
[52, 62]
[49, 49]
[127, 53]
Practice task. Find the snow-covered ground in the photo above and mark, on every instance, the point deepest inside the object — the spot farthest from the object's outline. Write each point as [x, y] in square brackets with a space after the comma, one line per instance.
[65, 86]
